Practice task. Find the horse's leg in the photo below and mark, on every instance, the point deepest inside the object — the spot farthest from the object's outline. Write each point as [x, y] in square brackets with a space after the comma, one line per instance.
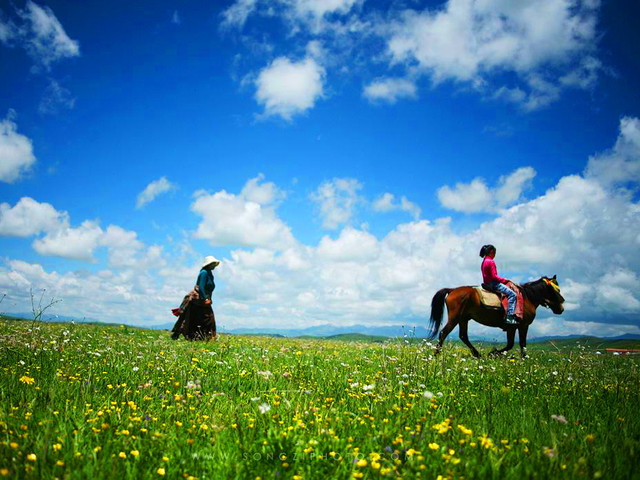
[511, 335]
[522, 337]
[451, 324]
[463, 328]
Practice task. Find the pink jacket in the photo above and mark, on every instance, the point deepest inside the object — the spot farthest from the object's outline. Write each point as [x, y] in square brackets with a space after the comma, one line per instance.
[489, 271]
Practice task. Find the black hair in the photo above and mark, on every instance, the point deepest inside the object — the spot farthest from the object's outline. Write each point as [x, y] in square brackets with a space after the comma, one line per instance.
[486, 250]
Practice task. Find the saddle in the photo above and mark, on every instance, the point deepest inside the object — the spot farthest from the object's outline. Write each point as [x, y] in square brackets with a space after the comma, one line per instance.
[489, 298]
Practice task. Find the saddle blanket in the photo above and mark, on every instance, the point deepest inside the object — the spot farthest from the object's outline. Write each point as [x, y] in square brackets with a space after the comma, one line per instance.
[493, 300]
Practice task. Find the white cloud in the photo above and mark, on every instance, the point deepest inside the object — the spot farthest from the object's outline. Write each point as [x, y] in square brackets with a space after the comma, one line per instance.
[552, 326]
[287, 88]
[351, 245]
[337, 200]
[8, 31]
[151, 191]
[581, 230]
[236, 15]
[585, 233]
[390, 90]
[247, 219]
[470, 41]
[621, 164]
[261, 192]
[319, 8]
[175, 18]
[16, 151]
[73, 243]
[386, 203]
[478, 197]
[308, 12]
[29, 217]
[542, 46]
[466, 197]
[510, 187]
[584, 76]
[55, 98]
[43, 36]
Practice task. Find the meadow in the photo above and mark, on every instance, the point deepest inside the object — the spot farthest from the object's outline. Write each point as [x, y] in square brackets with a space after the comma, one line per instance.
[95, 401]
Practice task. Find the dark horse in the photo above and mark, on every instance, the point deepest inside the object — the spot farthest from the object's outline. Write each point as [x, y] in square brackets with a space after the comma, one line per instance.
[463, 304]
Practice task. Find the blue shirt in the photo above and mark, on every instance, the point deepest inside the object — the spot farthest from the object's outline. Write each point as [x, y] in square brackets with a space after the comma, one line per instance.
[206, 286]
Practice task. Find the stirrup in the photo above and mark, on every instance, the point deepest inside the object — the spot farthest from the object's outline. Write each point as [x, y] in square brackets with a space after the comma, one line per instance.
[511, 320]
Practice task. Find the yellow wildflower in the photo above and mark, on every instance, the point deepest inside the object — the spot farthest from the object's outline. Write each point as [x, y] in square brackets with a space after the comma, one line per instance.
[27, 380]
[32, 457]
[160, 471]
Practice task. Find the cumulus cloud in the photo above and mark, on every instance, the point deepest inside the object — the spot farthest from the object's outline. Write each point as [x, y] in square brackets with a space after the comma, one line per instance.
[389, 90]
[544, 46]
[337, 200]
[581, 229]
[621, 164]
[29, 217]
[387, 203]
[287, 88]
[471, 41]
[73, 243]
[261, 192]
[510, 187]
[476, 196]
[153, 190]
[16, 151]
[246, 219]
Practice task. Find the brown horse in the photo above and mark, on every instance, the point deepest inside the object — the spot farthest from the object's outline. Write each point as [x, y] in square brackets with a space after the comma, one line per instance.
[463, 304]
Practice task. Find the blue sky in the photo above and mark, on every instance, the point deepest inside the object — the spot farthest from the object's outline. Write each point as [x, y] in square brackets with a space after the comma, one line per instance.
[344, 159]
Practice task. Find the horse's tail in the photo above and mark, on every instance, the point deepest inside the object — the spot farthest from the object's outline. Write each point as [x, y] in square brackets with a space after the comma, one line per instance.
[437, 309]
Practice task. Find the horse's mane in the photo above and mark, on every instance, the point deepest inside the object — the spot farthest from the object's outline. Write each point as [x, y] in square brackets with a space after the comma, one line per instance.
[534, 291]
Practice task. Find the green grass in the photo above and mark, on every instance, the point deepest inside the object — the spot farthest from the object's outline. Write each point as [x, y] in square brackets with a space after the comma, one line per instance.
[91, 401]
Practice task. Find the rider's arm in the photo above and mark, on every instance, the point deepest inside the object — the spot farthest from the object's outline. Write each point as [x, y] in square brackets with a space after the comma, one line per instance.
[202, 281]
[494, 274]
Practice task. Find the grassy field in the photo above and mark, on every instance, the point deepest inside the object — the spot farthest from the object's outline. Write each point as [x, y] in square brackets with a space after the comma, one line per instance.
[89, 401]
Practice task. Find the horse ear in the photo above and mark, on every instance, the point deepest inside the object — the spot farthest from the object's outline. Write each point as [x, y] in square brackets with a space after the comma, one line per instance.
[554, 277]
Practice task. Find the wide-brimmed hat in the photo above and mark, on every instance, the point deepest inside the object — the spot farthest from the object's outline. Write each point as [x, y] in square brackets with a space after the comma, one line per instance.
[210, 260]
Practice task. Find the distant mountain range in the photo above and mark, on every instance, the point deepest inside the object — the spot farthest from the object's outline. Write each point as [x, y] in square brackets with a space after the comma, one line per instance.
[388, 331]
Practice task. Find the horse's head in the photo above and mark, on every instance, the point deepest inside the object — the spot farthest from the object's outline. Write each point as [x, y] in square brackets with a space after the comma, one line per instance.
[551, 296]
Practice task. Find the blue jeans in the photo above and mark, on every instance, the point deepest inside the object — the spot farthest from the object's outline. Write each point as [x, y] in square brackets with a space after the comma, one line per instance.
[502, 288]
